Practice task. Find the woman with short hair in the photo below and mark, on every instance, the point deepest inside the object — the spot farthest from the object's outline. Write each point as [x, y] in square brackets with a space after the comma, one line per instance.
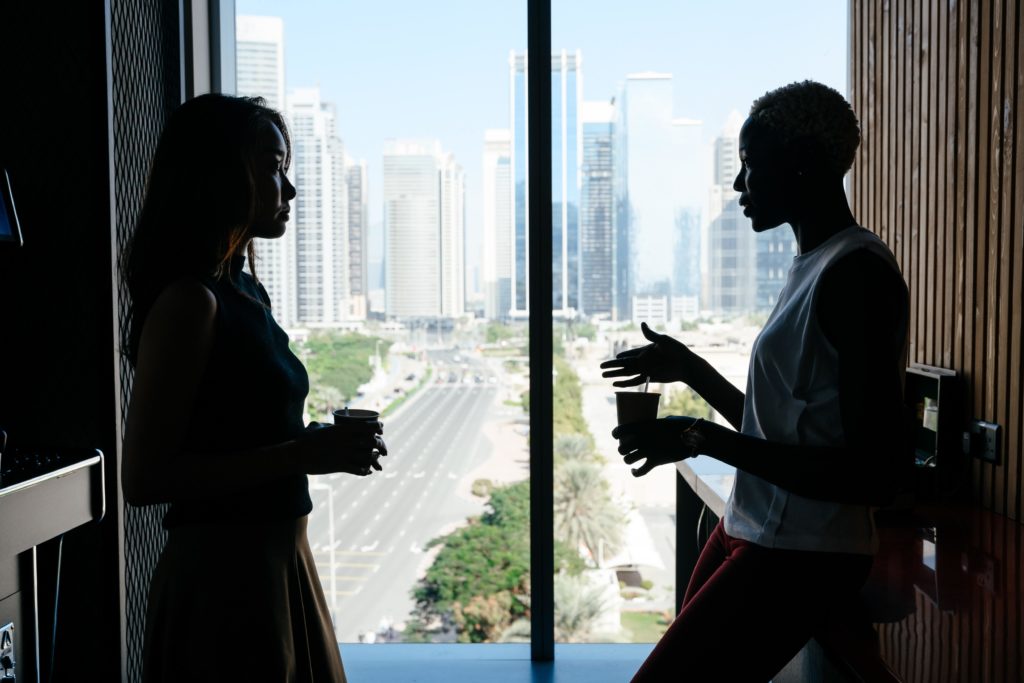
[821, 434]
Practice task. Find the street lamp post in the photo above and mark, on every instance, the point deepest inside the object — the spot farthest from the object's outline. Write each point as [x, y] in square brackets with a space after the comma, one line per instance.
[332, 541]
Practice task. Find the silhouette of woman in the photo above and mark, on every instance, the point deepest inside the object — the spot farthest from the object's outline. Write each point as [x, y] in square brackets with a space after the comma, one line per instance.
[215, 424]
[821, 427]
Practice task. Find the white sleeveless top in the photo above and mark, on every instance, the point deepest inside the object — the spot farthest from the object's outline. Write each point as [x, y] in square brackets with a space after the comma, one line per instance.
[793, 398]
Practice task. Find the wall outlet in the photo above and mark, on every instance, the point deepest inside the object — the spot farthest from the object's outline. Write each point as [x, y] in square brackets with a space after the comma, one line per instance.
[982, 441]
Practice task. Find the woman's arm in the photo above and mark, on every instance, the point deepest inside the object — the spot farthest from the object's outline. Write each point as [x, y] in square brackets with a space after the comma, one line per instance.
[668, 360]
[174, 350]
[862, 311]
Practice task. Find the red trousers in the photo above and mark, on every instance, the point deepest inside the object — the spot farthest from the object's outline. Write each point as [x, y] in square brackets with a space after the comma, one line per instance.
[749, 609]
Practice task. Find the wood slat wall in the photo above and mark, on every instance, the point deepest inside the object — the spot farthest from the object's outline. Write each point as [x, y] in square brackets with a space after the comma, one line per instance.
[938, 86]
[962, 625]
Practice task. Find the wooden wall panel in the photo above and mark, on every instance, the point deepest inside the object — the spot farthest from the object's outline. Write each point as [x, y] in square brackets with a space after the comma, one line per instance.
[963, 626]
[939, 90]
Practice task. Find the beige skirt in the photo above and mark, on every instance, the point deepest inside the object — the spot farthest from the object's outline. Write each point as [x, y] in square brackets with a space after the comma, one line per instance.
[239, 602]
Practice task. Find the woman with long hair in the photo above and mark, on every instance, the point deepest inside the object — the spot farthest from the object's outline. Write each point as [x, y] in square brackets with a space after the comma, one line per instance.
[215, 423]
[821, 435]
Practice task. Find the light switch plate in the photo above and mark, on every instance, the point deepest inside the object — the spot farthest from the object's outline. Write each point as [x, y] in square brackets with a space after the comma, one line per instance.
[985, 438]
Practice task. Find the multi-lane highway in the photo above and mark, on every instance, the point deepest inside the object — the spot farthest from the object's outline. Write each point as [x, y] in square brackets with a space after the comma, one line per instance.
[382, 522]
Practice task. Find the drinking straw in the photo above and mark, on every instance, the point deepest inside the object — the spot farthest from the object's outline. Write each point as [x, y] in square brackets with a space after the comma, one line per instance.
[647, 382]
[346, 411]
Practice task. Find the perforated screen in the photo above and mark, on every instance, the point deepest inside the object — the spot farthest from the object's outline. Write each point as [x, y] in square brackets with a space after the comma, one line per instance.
[146, 86]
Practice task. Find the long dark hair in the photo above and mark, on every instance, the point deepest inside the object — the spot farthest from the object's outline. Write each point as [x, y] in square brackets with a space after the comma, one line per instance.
[200, 200]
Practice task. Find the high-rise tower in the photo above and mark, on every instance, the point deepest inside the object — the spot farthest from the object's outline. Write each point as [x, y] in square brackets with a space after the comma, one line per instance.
[597, 210]
[260, 72]
[497, 242]
[424, 219]
[732, 249]
[566, 155]
[321, 216]
[657, 197]
[358, 194]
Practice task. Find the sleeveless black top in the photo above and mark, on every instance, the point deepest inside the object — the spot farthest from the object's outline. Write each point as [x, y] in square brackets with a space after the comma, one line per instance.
[251, 395]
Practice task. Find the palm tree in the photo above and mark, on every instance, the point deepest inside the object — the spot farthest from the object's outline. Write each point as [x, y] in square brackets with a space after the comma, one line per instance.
[584, 511]
[572, 447]
[578, 606]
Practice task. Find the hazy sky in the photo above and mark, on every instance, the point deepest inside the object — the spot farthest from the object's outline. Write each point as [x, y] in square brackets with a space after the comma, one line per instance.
[408, 68]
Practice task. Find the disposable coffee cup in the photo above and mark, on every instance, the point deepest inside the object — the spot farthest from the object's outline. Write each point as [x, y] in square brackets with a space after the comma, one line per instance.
[636, 406]
[349, 415]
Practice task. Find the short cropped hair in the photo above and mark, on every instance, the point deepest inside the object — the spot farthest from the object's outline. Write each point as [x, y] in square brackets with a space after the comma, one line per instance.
[809, 112]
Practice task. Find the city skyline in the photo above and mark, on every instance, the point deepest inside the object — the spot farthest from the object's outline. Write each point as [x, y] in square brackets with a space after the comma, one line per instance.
[426, 63]
[660, 229]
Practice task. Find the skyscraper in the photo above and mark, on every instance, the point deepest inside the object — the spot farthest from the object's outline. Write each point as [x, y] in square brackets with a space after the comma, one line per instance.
[424, 219]
[597, 210]
[497, 242]
[566, 154]
[691, 186]
[260, 58]
[358, 248]
[776, 249]
[732, 248]
[321, 216]
[452, 235]
[260, 72]
[657, 173]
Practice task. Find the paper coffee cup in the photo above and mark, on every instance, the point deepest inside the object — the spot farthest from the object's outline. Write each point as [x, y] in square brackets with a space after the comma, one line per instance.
[636, 406]
[343, 415]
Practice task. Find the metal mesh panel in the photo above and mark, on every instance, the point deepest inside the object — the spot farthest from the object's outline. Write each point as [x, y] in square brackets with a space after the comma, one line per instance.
[145, 87]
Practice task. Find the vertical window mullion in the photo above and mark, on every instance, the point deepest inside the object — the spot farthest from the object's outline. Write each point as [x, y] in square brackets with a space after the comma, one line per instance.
[542, 562]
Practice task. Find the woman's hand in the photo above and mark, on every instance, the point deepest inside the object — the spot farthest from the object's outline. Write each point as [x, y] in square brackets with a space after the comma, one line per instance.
[663, 360]
[353, 447]
[658, 441]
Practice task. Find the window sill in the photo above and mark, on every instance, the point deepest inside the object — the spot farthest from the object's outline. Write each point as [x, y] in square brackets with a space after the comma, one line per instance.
[495, 663]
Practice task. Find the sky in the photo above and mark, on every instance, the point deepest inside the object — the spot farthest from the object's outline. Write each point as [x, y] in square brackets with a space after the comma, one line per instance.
[408, 68]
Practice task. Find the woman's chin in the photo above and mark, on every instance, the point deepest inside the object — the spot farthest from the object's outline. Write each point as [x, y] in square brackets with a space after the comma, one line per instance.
[759, 224]
[271, 231]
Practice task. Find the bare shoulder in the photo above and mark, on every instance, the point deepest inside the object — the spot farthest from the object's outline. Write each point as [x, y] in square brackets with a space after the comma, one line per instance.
[184, 300]
[183, 315]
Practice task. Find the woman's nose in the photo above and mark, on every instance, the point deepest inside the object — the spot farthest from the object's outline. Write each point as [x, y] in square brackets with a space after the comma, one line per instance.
[738, 184]
[289, 190]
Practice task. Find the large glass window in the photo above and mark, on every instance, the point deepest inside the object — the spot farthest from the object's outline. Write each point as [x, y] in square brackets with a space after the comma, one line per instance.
[660, 238]
[400, 288]
[404, 282]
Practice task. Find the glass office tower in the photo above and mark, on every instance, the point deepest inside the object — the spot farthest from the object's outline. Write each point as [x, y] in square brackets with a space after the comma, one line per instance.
[566, 153]
[649, 158]
[597, 210]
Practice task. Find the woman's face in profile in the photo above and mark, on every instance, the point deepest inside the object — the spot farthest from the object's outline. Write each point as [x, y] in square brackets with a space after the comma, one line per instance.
[273, 189]
[765, 180]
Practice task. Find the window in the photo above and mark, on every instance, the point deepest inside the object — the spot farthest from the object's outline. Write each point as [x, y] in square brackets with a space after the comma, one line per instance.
[405, 280]
[660, 108]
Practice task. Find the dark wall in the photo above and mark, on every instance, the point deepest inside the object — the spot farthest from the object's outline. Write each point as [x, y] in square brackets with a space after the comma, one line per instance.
[57, 379]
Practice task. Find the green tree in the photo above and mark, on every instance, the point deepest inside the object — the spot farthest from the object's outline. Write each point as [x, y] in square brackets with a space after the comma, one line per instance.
[496, 332]
[568, 401]
[340, 360]
[584, 511]
[483, 569]
[572, 447]
[578, 606]
[323, 399]
[685, 402]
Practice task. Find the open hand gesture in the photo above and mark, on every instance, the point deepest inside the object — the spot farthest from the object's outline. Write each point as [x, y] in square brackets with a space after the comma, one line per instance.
[663, 360]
